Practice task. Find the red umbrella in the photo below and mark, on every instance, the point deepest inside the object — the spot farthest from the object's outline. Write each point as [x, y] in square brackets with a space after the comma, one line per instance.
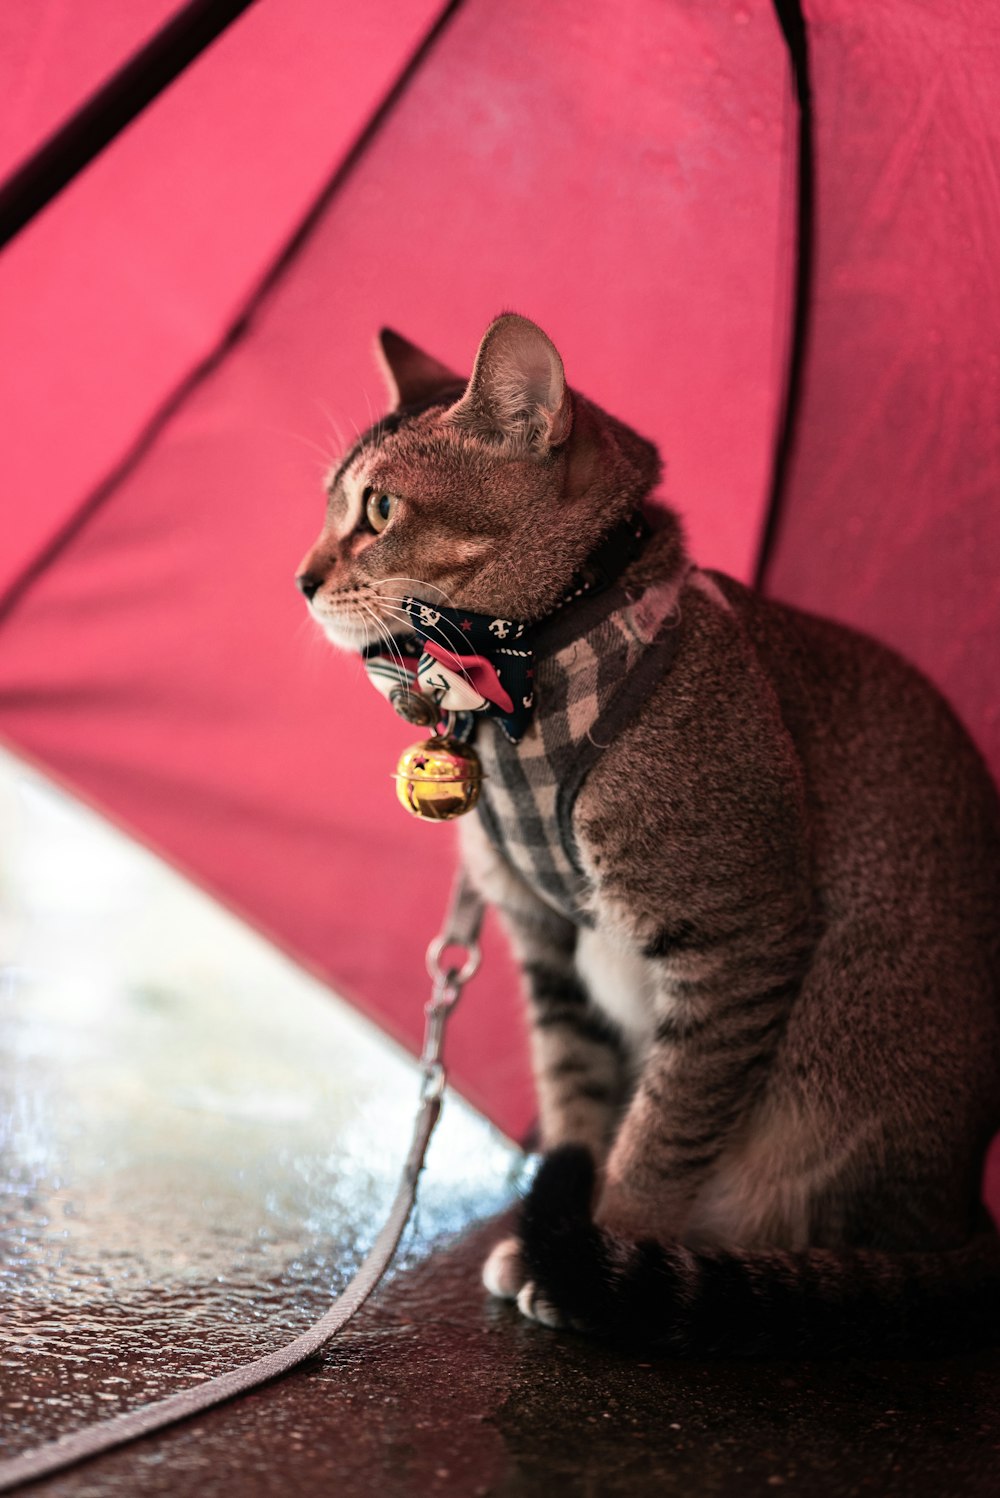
[189, 330]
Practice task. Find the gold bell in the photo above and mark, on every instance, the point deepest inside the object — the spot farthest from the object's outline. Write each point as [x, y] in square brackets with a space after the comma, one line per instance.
[439, 779]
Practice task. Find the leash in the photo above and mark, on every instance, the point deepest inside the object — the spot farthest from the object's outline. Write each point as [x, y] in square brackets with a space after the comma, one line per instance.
[460, 939]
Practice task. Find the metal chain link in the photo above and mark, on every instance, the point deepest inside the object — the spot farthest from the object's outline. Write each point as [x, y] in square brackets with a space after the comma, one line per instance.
[448, 984]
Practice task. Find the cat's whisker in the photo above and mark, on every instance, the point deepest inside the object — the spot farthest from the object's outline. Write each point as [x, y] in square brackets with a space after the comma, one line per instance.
[386, 643]
[398, 605]
[376, 427]
[368, 403]
[456, 647]
[401, 614]
[380, 633]
[327, 457]
[392, 599]
[418, 584]
[357, 431]
[385, 634]
[364, 620]
[334, 425]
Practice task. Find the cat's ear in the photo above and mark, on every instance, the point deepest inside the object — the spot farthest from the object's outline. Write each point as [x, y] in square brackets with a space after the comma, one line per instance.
[517, 392]
[410, 374]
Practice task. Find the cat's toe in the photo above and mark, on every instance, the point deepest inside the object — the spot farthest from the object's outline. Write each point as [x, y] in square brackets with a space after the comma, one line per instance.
[503, 1272]
[532, 1303]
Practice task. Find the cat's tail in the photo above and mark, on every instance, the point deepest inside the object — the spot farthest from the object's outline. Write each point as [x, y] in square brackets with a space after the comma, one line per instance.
[754, 1302]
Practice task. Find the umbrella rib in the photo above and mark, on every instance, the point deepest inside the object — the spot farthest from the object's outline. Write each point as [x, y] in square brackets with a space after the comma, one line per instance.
[793, 28]
[106, 113]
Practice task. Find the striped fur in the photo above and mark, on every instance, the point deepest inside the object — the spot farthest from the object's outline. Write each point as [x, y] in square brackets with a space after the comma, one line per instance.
[761, 942]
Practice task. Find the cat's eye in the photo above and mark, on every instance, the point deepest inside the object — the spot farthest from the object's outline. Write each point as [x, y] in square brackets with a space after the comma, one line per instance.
[379, 509]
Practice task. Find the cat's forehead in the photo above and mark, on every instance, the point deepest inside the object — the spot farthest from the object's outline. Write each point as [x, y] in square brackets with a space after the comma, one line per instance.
[416, 419]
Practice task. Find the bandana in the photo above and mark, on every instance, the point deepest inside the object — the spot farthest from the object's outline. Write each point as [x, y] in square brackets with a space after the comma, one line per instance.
[457, 662]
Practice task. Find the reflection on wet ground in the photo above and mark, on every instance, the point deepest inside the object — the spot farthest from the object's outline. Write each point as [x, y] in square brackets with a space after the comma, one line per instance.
[197, 1143]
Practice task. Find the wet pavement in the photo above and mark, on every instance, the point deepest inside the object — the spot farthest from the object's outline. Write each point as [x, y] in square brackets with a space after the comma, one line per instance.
[432, 1390]
[197, 1144]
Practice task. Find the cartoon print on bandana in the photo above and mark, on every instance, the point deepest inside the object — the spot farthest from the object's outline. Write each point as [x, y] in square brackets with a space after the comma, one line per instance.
[453, 692]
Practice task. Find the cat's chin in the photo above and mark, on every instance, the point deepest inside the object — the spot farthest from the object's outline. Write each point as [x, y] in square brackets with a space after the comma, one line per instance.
[346, 634]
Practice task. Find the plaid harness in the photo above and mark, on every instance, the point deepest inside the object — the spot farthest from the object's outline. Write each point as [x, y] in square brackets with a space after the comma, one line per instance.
[596, 665]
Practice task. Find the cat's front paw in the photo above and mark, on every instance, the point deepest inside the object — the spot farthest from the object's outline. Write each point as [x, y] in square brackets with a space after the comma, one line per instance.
[505, 1276]
[504, 1273]
[535, 1305]
[558, 1241]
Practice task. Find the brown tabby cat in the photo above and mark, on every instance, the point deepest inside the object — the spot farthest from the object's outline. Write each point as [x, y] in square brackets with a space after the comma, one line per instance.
[750, 864]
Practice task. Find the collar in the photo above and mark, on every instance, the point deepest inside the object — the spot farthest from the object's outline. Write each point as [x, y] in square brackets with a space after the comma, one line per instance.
[457, 661]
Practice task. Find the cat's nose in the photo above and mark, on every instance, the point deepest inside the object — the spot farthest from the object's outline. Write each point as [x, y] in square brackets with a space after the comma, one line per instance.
[308, 583]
